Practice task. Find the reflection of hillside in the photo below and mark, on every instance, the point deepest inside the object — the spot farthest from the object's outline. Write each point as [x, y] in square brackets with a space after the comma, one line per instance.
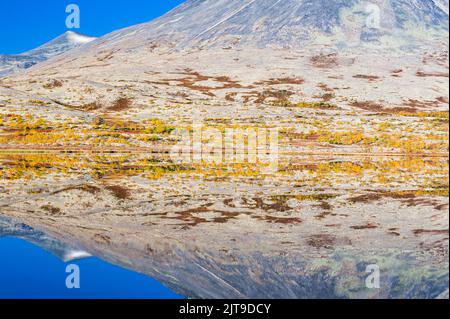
[65, 252]
[308, 230]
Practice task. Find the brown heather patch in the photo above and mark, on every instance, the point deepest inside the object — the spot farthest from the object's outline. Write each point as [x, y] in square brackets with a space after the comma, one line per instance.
[324, 60]
[190, 82]
[321, 241]
[85, 107]
[394, 232]
[231, 97]
[188, 217]
[94, 66]
[440, 58]
[418, 232]
[442, 99]
[421, 104]
[325, 206]
[101, 238]
[51, 209]
[336, 77]
[53, 84]
[396, 71]
[368, 106]
[230, 84]
[398, 109]
[371, 78]
[286, 80]
[119, 192]
[106, 55]
[424, 74]
[329, 92]
[121, 104]
[90, 106]
[162, 82]
[278, 220]
[85, 188]
[225, 217]
[367, 198]
[376, 107]
[281, 97]
[191, 78]
[411, 202]
[365, 226]
[327, 97]
[324, 87]
[441, 207]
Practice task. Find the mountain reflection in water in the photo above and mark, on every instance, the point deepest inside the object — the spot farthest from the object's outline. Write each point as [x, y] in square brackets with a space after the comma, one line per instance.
[27, 271]
[311, 230]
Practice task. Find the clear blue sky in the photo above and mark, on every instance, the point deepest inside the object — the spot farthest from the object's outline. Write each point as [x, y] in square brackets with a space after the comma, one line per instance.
[25, 25]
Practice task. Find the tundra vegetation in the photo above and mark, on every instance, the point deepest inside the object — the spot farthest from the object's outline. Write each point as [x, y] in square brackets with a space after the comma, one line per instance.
[401, 133]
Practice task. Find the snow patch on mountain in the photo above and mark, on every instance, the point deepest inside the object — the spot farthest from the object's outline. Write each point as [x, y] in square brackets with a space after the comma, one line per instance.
[10, 63]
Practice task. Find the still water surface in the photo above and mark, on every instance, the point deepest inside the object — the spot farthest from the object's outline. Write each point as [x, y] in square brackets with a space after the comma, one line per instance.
[27, 271]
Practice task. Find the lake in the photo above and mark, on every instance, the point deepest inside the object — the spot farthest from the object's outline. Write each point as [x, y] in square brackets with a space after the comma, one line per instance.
[28, 271]
[318, 227]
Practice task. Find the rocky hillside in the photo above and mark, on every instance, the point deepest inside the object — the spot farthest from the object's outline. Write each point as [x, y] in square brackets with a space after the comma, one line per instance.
[288, 23]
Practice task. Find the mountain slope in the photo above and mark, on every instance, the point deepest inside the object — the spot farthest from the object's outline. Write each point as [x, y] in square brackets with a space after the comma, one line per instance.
[235, 52]
[61, 44]
[291, 23]
[67, 253]
[65, 42]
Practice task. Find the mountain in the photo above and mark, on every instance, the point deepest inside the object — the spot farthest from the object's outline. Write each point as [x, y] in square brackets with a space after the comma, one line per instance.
[287, 23]
[61, 44]
[67, 253]
[234, 52]
[65, 42]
